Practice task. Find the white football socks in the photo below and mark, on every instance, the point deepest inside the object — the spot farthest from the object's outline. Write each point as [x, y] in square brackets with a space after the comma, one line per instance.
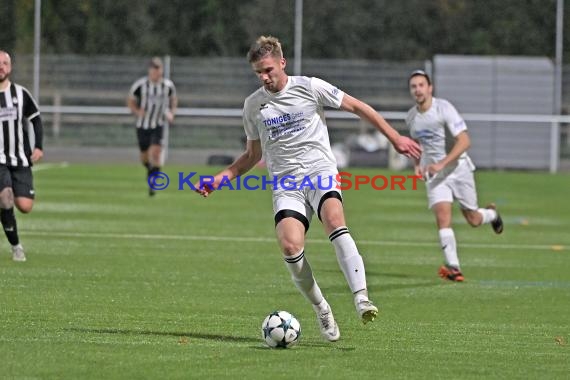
[302, 276]
[349, 259]
[449, 247]
[488, 215]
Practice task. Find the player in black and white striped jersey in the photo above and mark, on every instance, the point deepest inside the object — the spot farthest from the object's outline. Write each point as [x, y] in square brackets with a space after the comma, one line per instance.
[20, 147]
[152, 99]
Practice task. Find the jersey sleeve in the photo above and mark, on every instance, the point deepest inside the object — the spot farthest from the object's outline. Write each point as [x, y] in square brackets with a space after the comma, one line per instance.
[171, 89]
[453, 121]
[30, 108]
[326, 94]
[135, 90]
[251, 130]
[38, 132]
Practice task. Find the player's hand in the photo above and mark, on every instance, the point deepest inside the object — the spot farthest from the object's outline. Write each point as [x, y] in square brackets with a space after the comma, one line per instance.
[408, 147]
[433, 169]
[169, 116]
[419, 172]
[37, 155]
[140, 112]
[204, 189]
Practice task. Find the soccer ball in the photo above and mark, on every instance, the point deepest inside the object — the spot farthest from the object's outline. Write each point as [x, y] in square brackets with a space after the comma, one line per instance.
[280, 329]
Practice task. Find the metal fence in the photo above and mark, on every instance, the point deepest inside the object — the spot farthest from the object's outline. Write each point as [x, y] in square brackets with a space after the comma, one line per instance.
[204, 83]
[503, 85]
[213, 83]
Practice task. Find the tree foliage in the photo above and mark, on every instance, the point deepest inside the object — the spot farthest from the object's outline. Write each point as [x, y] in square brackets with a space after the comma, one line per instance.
[7, 20]
[372, 29]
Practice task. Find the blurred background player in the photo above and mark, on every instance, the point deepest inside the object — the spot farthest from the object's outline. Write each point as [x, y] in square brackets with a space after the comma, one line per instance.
[152, 99]
[17, 110]
[284, 120]
[446, 167]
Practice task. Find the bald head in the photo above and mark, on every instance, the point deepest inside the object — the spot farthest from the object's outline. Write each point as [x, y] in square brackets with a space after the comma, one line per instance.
[5, 68]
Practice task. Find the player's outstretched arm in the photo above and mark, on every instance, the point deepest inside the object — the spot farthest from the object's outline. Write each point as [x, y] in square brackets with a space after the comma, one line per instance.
[402, 144]
[247, 160]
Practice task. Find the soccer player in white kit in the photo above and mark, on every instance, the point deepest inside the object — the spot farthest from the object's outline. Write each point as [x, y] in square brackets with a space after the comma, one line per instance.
[284, 119]
[446, 167]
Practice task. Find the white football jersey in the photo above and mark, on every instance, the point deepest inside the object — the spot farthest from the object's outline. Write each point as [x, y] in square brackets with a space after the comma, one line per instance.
[436, 130]
[291, 125]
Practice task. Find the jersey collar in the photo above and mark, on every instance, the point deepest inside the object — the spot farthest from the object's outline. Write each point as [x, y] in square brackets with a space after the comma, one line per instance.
[284, 90]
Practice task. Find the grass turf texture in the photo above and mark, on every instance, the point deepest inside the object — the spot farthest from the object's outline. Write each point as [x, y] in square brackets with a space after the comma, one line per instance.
[120, 285]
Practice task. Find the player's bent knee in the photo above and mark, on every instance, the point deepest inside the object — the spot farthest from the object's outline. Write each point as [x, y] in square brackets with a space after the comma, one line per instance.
[333, 222]
[290, 248]
[25, 205]
[25, 210]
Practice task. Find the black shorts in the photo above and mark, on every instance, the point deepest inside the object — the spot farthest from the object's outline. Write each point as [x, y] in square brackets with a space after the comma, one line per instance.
[148, 137]
[19, 179]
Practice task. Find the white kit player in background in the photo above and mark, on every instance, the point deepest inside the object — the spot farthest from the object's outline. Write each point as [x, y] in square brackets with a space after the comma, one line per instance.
[446, 167]
[284, 120]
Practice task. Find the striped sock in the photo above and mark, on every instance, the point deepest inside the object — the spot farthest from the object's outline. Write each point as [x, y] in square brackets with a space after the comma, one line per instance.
[302, 276]
[349, 259]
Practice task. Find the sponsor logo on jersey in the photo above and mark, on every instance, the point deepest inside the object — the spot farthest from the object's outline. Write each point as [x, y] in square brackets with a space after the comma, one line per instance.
[424, 135]
[459, 125]
[8, 113]
[277, 119]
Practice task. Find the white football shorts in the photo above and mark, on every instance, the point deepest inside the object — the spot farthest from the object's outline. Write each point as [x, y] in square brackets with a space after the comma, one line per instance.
[305, 199]
[459, 184]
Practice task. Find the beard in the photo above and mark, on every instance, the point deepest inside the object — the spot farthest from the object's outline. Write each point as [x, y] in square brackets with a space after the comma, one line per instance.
[4, 77]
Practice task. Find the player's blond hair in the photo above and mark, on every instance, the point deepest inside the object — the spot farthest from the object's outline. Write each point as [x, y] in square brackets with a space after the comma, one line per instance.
[264, 45]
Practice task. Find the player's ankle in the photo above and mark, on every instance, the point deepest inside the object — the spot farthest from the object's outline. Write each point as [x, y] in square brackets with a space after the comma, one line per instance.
[361, 295]
[322, 306]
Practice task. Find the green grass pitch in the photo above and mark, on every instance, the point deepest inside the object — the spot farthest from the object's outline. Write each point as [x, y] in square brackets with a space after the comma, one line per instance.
[119, 285]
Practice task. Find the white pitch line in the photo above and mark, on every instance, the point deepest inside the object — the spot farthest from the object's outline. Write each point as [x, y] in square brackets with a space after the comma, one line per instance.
[272, 240]
[39, 167]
